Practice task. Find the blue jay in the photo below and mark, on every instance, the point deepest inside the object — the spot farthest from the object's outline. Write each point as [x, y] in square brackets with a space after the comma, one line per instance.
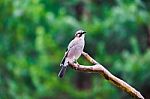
[73, 52]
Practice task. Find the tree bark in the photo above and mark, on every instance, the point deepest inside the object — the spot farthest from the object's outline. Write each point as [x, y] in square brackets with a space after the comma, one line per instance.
[98, 68]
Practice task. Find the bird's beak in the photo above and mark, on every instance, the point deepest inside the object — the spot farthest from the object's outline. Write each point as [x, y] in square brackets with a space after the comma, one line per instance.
[84, 32]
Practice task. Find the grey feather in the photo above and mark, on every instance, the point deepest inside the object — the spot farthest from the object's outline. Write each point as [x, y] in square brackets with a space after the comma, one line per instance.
[73, 51]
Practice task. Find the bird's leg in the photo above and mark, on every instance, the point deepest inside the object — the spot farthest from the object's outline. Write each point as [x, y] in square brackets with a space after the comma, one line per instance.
[75, 61]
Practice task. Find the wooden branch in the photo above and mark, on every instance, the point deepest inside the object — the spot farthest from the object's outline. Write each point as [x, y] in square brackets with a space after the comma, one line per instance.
[98, 68]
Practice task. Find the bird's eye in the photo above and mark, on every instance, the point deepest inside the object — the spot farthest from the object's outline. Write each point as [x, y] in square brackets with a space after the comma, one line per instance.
[80, 34]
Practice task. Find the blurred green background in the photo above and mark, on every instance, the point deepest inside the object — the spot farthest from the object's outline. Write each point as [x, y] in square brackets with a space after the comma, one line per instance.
[35, 33]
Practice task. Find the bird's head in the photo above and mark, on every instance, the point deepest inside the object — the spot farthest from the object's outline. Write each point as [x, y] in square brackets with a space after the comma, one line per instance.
[80, 33]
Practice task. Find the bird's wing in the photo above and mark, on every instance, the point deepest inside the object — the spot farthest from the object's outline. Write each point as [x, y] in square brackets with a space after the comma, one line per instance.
[63, 60]
[71, 44]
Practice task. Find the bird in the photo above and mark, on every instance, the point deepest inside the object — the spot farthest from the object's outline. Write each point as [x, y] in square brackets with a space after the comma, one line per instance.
[73, 52]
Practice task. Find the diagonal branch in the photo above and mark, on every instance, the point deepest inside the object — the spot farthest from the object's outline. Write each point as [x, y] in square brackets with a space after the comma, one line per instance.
[98, 68]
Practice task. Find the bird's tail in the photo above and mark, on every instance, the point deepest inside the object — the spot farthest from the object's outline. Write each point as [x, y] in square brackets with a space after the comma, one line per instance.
[62, 71]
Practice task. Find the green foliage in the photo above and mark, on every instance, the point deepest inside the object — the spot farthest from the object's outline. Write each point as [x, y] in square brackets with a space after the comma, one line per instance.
[34, 35]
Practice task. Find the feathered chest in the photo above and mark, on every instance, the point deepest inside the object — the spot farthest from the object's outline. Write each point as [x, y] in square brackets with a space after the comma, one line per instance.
[76, 49]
